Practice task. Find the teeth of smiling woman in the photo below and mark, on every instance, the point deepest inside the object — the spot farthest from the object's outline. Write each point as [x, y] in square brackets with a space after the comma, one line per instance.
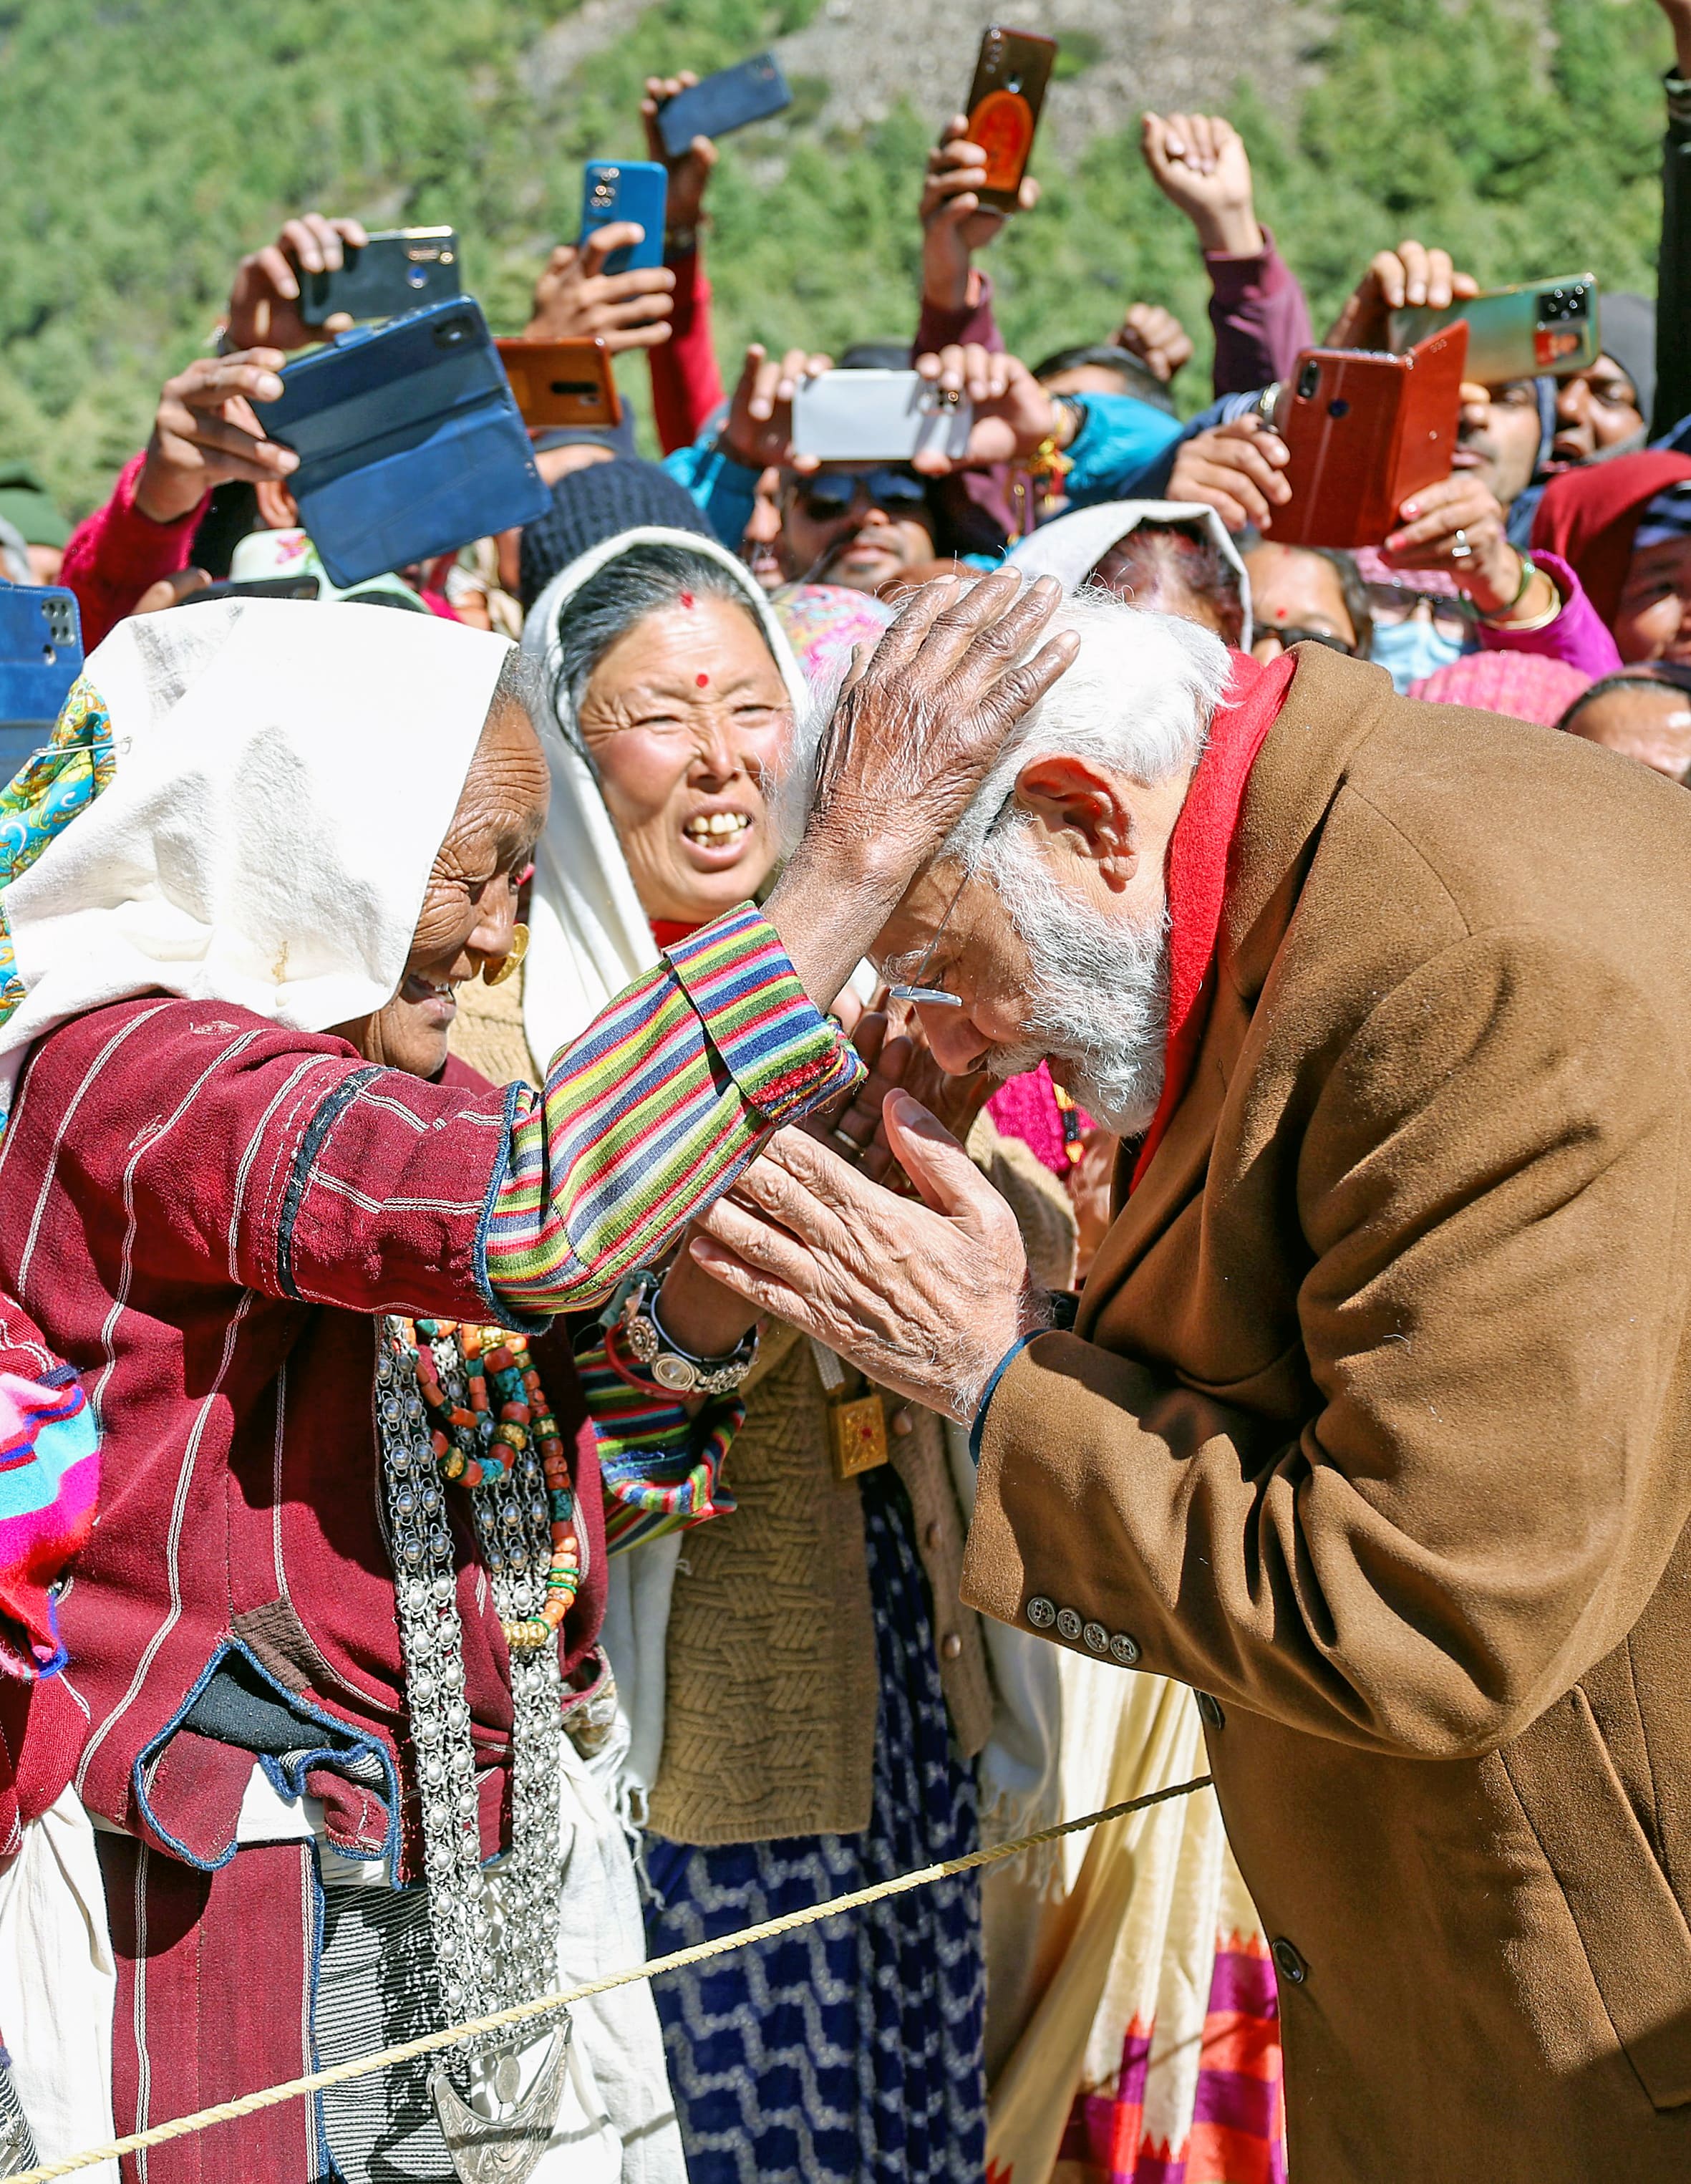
[713, 826]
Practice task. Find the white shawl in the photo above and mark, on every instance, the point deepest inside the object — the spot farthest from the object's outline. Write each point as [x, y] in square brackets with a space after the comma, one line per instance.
[1071, 547]
[286, 773]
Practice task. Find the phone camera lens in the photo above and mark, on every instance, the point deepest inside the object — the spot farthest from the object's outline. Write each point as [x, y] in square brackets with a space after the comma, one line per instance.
[1309, 379]
[1339, 407]
[49, 656]
[415, 276]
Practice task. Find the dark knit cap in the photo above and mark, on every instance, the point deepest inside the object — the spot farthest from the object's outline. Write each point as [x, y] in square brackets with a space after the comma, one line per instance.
[593, 504]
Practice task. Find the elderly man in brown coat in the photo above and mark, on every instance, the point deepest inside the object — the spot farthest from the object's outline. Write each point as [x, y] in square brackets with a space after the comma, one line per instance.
[1373, 1423]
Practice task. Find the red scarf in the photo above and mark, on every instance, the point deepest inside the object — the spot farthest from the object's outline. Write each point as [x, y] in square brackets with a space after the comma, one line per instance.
[1591, 516]
[1198, 857]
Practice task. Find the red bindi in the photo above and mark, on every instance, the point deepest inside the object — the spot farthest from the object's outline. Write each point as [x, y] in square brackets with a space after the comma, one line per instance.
[686, 598]
[703, 680]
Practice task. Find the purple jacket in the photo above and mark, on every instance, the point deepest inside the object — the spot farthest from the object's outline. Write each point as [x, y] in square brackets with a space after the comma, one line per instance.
[1260, 318]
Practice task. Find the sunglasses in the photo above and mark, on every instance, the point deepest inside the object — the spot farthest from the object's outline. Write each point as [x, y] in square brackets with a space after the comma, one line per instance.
[1391, 604]
[1292, 633]
[835, 494]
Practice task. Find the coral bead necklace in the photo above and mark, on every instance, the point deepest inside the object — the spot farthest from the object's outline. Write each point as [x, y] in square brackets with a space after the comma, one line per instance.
[479, 1441]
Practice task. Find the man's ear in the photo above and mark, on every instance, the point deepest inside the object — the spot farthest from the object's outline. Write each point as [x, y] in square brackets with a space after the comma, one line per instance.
[1083, 803]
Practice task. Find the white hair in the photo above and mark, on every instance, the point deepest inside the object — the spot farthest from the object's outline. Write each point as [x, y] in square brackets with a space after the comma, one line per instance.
[1139, 697]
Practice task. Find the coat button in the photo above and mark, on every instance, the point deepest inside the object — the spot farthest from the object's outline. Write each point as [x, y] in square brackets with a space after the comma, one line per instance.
[1096, 1638]
[1123, 1649]
[1040, 1613]
[930, 1537]
[903, 1423]
[950, 1645]
[1210, 1710]
[1287, 1962]
[1068, 1623]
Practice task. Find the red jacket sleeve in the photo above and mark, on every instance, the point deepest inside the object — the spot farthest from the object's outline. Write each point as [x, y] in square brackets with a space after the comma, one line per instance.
[1260, 318]
[973, 322]
[686, 383]
[117, 552]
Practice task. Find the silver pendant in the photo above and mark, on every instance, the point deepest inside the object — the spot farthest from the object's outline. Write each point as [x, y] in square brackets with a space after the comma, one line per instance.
[505, 2149]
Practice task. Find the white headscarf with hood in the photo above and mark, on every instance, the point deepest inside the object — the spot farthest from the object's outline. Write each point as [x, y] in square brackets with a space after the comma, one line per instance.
[1072, 546]
[589, 937]
[286, 772]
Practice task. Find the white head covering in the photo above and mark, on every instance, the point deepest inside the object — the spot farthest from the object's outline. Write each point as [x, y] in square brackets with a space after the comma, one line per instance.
[286, 773]
[588, 936]
[1072, 546]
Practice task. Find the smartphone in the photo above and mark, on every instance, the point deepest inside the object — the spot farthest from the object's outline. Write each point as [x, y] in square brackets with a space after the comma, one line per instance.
[254, 587]
[629, 189]
[40, 656]
[1004, 99]
[1365, 430]
[876, 417]
[1516, 333]
[562, 382]
[751, 92]
[392, 273]
[410, 443]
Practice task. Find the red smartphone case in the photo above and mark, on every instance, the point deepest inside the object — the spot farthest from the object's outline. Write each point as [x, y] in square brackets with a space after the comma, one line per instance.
[1365, 431]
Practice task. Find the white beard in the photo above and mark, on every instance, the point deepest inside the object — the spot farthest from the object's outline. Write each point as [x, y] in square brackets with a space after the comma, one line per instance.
[1100, 997]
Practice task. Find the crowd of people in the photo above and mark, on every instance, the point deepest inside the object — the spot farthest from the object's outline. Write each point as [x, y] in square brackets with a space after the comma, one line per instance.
[551, 1139]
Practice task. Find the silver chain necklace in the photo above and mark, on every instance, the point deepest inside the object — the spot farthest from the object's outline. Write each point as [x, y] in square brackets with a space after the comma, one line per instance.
[495, 1932]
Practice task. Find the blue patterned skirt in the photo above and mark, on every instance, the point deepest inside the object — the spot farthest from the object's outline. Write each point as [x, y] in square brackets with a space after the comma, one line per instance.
[851, 2050]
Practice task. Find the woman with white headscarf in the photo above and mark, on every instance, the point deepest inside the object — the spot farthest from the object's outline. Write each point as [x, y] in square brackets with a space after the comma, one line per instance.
[807, 1697]
[349, 1569]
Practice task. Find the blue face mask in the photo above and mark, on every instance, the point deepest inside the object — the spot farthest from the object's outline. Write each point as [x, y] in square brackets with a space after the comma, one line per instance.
[1407, 650]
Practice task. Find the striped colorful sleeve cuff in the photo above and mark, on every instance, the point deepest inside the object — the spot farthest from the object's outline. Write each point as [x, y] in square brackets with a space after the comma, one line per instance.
[654, 1110]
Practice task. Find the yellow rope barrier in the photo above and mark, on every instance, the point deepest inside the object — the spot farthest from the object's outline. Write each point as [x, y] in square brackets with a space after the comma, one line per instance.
[362, 2066]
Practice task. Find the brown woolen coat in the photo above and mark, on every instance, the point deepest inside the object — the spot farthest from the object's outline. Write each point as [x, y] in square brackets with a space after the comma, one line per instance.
[1376, 1427]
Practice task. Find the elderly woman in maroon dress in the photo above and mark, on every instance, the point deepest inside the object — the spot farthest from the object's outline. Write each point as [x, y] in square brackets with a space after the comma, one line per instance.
[349, 1569]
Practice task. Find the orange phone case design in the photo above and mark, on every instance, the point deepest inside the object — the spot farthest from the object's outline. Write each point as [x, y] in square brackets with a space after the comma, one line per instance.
[563, 382]
[1364, 431]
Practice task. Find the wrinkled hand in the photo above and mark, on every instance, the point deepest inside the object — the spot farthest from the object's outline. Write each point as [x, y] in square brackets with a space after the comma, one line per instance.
[912, 738]
[1438, 522]
[690, 175]
[264, 303]
[1013, 413]
[894, 1047]
[925, 1298]
[758, 429]
[955, 224]
[1409, 274]
[575, 299]
[206, 431]
[1200, 163]
[1091, 1193]
[1156, 338]
[1237, 469]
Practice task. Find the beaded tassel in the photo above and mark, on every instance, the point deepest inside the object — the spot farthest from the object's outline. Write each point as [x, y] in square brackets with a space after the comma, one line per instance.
[508, 1413]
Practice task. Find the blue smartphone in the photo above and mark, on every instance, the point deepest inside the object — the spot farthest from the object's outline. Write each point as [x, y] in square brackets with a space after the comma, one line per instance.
[728, 100]
[626, 189]
[40, 656]
[409, 440]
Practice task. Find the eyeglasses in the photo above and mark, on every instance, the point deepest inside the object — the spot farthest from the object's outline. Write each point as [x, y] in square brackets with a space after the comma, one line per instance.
[1390, 604]
[834, 494]
[937, 997]
[1291, 634]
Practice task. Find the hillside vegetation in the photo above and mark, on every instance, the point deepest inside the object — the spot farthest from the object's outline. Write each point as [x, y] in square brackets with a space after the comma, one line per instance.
[145, 143]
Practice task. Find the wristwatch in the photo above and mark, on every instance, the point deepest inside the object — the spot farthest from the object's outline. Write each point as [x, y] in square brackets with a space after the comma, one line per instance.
[630, 1319]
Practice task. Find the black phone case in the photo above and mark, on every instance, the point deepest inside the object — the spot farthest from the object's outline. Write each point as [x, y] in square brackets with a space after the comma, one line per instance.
[409, 443]
[390, 275]
[730, 99]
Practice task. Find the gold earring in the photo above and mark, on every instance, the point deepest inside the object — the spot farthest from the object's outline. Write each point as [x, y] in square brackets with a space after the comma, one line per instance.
[513, 956]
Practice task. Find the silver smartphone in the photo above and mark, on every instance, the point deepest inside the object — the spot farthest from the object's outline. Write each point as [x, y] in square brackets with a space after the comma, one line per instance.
[877, 417]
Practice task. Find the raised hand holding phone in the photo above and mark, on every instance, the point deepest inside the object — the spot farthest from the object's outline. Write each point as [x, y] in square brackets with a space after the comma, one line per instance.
[206, 431]
[1012, 414]
[690, 168]
[265, 295]
[758, 431]
[955, 222]
[575, 299]
[1409, 274]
